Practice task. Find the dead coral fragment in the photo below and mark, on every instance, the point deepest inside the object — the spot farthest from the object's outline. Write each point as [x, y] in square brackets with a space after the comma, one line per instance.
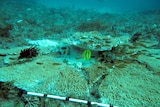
[29, 53]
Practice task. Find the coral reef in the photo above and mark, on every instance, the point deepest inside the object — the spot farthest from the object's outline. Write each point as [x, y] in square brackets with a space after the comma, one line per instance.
[95, 41]
[122, 46]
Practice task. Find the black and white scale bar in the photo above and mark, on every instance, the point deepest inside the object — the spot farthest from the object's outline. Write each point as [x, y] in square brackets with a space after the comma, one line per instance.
[69, 99]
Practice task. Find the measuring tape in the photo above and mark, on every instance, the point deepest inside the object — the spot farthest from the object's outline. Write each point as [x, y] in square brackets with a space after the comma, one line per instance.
[89, 103]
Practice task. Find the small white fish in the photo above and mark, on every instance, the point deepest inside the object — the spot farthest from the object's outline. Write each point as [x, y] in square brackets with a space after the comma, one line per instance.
[19, 21]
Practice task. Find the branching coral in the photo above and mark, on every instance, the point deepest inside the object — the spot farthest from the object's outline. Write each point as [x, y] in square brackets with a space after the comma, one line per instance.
[8, 90]
[31, 101]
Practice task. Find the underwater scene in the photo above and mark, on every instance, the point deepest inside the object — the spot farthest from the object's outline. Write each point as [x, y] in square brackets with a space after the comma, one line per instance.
[79, 53]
